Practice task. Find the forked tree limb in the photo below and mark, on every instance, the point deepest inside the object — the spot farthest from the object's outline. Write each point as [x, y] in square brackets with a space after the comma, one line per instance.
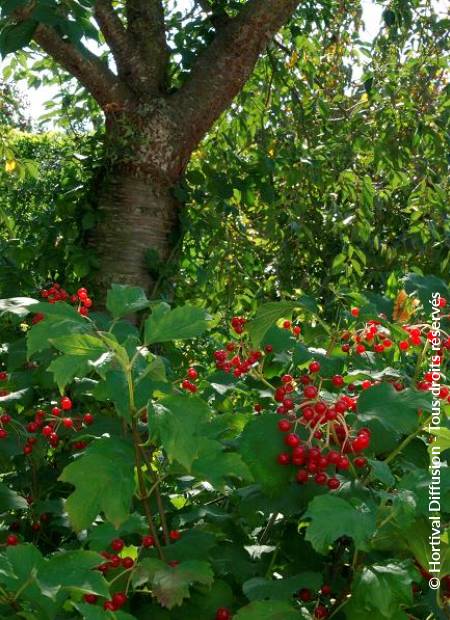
[222, 69]
[130, 66]
[88, 68]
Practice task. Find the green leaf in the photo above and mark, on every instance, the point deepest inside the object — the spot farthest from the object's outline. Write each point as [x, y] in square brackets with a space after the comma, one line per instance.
[177, 420]
[104, 482]
[382, 472]
[396, 411]
[16, 36]
[215, 465]
[267, 610]
[66, 367]
[280, 589]
[170, 585]
[123, 300]
[165, 325]
[10, 500]
[115, 388]
[383, 588]
[74, 570]
[266, 316]
[61, 324]
[90, 347]
[259, 447]
[333, 517]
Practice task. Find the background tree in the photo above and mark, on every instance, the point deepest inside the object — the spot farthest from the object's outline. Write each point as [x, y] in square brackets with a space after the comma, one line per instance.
[154, 119]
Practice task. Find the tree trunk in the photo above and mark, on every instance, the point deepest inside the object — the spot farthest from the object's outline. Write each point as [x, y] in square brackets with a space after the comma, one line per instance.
[137, 230]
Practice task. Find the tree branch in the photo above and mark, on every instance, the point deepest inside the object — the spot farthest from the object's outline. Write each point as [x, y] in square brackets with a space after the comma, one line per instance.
[129, 63]
[223, 68]
[90, 71]
[146, 25]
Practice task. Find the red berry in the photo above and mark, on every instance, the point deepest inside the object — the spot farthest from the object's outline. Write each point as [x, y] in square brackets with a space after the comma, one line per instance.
[292, 440]
[314, 367]
[88, 419]
[326, 589]
[128, 562]
[192, 373]
[287, 324]
[148, 541]
[321, 478]
[12, 540]
[175, 535]
[355, 312]
[284, 426]
[67, 422]
[403, 345]
[284, 458]
[360, 462]
[310, 391]
[90, 598]
[119, 599]
[3, 433]
[117, 544]
[343, 463]
[302, 476]
[268, 348]
[321, 612]
[109, 606]
[337, 380]
[296, 330]
[333, 484]
[305, 595]
[223, 614]
[66, 403]
[3, 375]
[286, 378]
[47, 431]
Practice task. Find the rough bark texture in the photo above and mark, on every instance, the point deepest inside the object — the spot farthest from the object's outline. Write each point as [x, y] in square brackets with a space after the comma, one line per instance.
[151, 130]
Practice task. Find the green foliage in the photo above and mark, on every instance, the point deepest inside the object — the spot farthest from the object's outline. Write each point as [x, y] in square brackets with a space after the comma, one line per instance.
[127, 486]
[104, 482]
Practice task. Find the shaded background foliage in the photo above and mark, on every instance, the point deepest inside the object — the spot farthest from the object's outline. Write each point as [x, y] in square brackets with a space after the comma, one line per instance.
[330, 169]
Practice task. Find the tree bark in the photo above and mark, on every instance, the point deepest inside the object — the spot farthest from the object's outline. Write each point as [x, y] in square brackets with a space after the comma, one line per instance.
[137, 229]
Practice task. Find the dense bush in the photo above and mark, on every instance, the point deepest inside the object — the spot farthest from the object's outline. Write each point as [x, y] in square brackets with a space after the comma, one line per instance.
[45, 209]
[162, 468]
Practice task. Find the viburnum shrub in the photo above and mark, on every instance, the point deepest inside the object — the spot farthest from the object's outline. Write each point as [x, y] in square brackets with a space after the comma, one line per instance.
[268, 467]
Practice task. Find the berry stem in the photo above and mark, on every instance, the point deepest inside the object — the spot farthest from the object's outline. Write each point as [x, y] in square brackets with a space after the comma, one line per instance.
[143, 491]
[406, 442]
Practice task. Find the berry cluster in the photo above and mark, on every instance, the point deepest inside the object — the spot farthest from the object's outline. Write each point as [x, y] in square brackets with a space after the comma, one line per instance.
[374, 336]
[187, 383]
[316, 430]
[56, 293]
[48, 426]
[305, 595]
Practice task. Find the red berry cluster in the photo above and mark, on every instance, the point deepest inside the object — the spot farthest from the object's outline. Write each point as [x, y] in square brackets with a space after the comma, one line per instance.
[48, 425]
[56, 293]
[305, 595]
[117, 601]
[296, 329]
[187, 383]
[238, 324]
[327, 436]
[374, 336]
[113, 560]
